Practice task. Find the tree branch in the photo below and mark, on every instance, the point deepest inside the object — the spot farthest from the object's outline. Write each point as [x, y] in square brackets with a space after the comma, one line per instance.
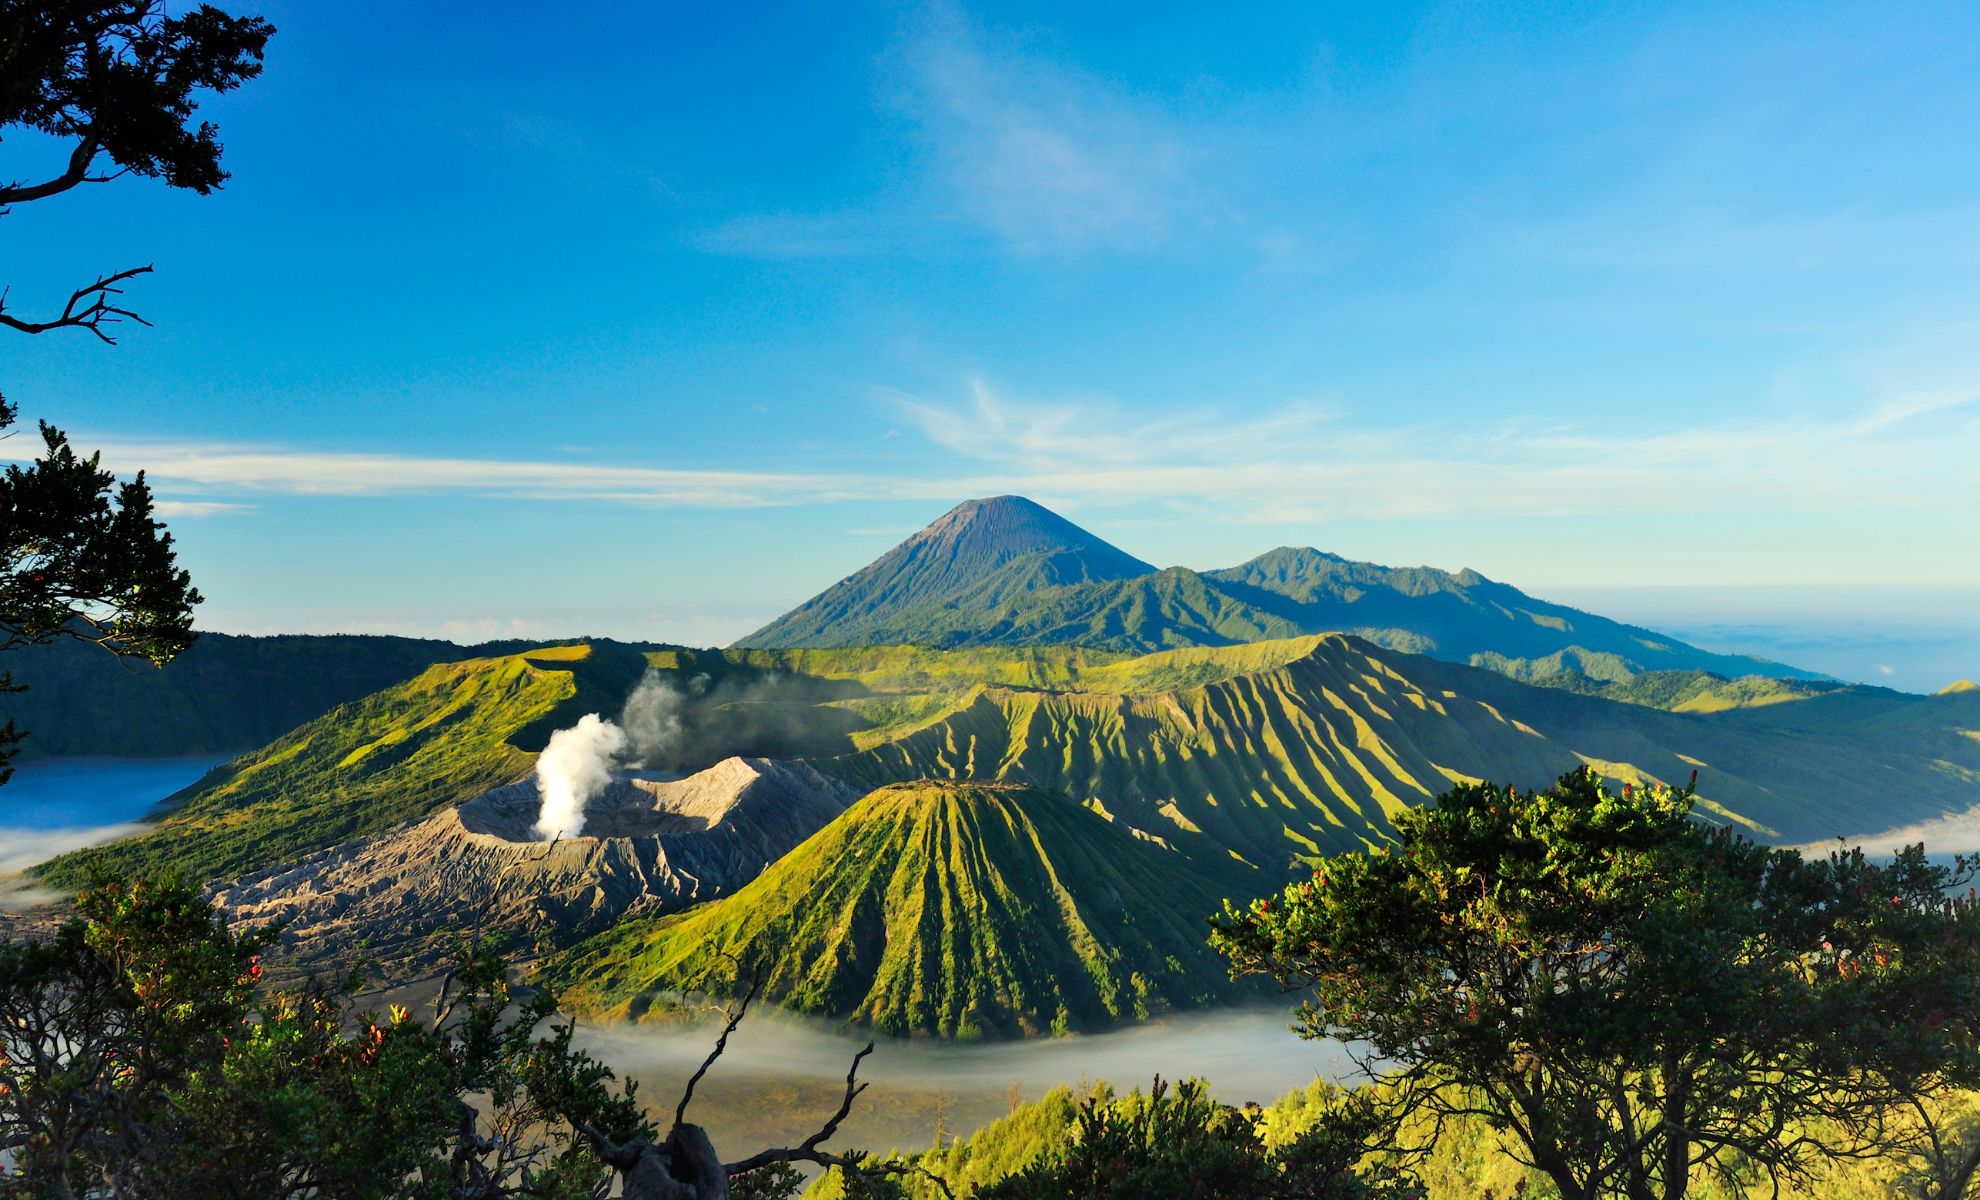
[722, 1043]
[88, 308]
[77, 172]
[807, 1150]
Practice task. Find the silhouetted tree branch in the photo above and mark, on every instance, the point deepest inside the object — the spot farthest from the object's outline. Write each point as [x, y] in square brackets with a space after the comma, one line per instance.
[685, 1166]
[118, 80]
[808, 1150]
[88, 308]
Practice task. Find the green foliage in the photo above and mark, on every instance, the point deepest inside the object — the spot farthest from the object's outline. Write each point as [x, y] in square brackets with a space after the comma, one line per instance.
[958, 911]
[138, 1056]
[1169, 1142]
[1628, 996]
[778, 1181]
[1182, 1143]
[83, 558]
[454, 731]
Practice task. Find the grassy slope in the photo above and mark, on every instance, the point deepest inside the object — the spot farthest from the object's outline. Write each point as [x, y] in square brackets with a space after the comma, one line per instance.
[1279, 751]
[1674, 692]
[1844, 761]
[956, 911]
[1283, 750]
[444, 736]
[1272, 750]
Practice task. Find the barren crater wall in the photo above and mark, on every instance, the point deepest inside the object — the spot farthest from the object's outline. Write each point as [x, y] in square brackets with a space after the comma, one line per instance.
[650, 846]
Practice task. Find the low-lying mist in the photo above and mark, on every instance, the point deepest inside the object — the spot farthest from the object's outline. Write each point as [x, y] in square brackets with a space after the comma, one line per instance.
[782, 1075]
[1954, 833]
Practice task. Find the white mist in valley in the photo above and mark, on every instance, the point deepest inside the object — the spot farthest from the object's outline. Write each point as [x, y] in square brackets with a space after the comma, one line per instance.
[781, 1074]
[578, 762]
[1953, 833]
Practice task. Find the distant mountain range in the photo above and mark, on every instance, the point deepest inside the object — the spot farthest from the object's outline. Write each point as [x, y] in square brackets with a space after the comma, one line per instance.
[1006, 571]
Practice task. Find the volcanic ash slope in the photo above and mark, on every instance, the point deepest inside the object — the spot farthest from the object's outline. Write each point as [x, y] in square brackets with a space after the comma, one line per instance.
[649, 848]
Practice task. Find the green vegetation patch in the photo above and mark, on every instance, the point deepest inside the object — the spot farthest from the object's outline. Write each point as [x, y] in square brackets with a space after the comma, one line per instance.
[951, 910]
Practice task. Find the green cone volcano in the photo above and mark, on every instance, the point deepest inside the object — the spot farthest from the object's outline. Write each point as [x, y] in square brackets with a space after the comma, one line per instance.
[951, 909]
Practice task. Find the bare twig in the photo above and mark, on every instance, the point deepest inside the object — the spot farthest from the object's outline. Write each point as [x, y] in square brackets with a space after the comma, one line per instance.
[90, 308]
[722, 1043]
[808, 1150]
[686, 1143]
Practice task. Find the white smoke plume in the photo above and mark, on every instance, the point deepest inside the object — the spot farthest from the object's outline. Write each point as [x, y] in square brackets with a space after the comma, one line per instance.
[652, 716]
[574, 767]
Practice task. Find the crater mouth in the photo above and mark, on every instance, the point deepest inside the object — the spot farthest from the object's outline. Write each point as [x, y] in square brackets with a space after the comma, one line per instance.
[634, 804]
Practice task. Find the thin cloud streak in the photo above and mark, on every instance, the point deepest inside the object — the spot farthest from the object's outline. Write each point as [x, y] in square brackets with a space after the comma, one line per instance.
[1305, 463]
[1298, 463]
[235, 468]
[193, 509]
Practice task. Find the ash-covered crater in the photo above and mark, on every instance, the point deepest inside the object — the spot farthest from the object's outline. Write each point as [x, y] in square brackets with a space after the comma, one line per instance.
[649, 845]
[633, 804]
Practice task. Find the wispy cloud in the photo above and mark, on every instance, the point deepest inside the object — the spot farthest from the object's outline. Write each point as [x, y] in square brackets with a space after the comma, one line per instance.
[1030, 148]
[1299, 462]
[1046, 154]
[240, 469]
[182, 509]
[1307, 462]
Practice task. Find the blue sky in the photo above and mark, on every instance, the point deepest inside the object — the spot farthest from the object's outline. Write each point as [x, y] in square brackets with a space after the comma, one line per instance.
[654, 320]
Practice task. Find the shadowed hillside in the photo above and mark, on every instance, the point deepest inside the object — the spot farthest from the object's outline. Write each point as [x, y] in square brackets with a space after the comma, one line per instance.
[449, 734]
[226, 693]
[1279, 752]
[958, 910]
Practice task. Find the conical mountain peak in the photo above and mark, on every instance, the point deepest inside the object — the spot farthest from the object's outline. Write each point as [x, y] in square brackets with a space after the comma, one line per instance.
[977, 555]
[991, 532]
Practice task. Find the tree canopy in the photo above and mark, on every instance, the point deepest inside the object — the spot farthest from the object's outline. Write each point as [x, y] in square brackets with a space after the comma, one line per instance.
[118, 83]
[83, 556]
[1630, 997]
